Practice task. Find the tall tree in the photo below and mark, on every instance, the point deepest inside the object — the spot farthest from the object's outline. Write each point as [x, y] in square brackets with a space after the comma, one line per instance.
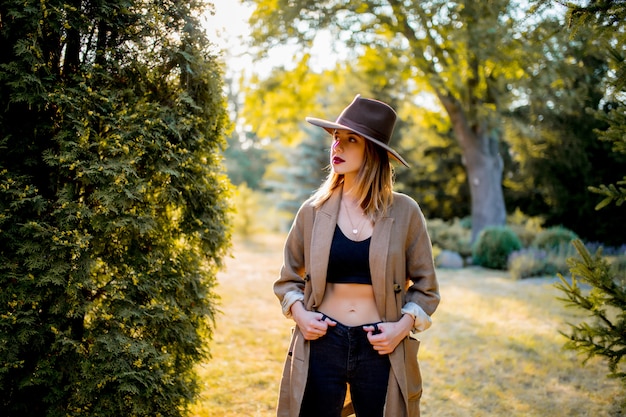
[112, 206]
[465, 53]
[556, 147]
[607, 19]
[436, 178]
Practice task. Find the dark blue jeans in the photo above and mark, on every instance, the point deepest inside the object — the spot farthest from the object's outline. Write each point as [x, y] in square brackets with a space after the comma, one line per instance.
[345, 357]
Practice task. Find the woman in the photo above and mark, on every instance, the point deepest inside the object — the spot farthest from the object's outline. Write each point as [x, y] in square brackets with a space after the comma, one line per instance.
[358, 279]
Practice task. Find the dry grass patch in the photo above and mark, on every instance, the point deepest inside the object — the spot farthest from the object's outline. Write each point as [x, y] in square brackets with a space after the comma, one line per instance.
[250, 340]
[494, 348]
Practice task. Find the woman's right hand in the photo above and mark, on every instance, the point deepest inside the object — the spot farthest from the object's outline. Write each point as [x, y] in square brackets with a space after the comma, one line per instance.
[312, 325]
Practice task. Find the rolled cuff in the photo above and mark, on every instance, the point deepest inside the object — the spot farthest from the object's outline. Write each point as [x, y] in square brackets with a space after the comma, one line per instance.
[422, 320]
[289, 299]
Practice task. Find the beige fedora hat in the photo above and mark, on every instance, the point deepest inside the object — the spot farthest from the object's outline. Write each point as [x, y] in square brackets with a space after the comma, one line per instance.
[372, 119]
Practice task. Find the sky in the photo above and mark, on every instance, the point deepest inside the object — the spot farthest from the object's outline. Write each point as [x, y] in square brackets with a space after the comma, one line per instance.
[229, 30]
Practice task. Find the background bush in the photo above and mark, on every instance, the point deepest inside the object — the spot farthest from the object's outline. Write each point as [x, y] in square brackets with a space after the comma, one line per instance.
[454, 235]
[533, 262]
[254, 212]
[493, 247]
[554, 238]
[525, 227]
[528, 263]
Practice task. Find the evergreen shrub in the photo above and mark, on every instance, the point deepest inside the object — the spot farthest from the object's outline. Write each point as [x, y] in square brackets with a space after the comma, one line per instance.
[554, 238]
[595, 289]
[113, 207]
[494, 245]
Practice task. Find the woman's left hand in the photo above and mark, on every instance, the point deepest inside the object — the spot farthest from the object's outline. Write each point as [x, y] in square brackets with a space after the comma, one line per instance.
[389, 335]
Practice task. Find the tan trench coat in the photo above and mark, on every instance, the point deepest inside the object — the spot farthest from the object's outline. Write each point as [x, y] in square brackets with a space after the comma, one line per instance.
[402, 270]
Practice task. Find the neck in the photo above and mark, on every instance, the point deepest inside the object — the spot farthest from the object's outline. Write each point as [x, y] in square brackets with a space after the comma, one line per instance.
[349, 188]
[349, 199]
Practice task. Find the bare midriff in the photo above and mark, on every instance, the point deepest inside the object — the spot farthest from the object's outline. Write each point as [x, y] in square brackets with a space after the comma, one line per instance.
[350, 304]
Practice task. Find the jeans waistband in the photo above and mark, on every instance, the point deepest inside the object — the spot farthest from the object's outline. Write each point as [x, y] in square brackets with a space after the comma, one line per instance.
[351, 329]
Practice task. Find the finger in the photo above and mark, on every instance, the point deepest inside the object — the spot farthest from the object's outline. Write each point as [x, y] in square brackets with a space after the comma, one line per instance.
[314, 334]
[327, 320]
[320, 326]
[373, 328]
[381, 348]
[373, 338]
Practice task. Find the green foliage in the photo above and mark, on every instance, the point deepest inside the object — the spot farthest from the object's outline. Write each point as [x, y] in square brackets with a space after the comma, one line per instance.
[277, 105]
[493, 247]
[525, 227]
[303, 171]
[556, 153]
[437, 178]
[608, 20]
[528, 263]
[605, 334]
[112, 207]
[254, 212]
[533, 262]
[453, 236]
[246, 162]
[612, 192]
[554, 238]
[605, 303]
[469, 75]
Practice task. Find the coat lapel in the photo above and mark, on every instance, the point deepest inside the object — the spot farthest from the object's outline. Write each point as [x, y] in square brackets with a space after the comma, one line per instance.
[379, 248]
[321, 239]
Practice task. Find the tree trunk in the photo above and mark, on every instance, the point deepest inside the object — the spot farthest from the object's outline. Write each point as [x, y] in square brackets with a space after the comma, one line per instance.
[484, 173]
[484, 167]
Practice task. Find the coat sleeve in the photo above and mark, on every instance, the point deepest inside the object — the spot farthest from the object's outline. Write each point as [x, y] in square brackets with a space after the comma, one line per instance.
[422, 295]
[289, 287]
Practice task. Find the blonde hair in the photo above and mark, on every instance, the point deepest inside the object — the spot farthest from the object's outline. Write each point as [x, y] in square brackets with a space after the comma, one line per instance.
[374, 183]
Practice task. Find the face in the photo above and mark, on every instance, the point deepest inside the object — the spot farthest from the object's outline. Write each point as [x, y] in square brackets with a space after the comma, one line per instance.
[347, 153]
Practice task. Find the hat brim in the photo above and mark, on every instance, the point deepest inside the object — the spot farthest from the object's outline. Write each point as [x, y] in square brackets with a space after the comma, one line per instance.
[330, 126]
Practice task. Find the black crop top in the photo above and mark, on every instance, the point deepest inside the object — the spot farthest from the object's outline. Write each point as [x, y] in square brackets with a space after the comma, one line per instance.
[348, 262]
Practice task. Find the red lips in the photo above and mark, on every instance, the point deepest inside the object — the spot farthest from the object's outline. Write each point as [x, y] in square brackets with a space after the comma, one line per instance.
[337, 160]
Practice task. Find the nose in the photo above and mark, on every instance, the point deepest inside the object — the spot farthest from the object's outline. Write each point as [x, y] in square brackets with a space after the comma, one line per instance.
[337, 145]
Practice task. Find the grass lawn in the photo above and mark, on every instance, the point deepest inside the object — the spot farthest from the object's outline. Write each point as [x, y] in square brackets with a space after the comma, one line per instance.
[494, 348]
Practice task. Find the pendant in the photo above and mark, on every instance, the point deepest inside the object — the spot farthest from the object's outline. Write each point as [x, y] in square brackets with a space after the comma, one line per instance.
[355, 231]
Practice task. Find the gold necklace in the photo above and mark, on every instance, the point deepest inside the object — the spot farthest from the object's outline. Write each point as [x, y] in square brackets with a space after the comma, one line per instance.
[355, 230]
